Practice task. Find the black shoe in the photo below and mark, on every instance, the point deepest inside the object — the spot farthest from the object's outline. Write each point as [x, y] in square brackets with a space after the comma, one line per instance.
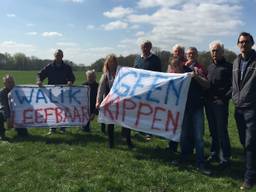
[51, 131]
[3, 138]
[246, 185]
[130, 146]
[224, 165]
[180, 162]
[203, 170]
[212, 158]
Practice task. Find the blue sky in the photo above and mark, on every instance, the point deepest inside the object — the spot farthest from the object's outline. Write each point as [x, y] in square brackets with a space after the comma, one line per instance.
[87, 30]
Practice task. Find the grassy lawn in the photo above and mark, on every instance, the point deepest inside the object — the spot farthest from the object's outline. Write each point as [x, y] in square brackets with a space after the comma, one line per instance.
[81, 162]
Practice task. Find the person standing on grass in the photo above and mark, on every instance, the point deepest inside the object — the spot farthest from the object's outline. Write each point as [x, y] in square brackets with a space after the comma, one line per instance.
[244, 97]
[219, 93]
[57, 73]
[147, 61]
[193, 122]
[178, 52]
[110, 70]
[91, 82]
[5, 113]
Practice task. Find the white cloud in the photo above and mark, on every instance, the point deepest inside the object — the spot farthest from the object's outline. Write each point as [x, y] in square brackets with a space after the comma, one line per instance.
[115, 25]
[89, 27]
[156, 3]
[129, 44]
[14, 47]
[140, 33]
[189, 23]
[52, 34]
[118, 12]
[10, 15]
[30, 25]
[33, 33]
[66, 44]
[135, 27]
[172, 3]
[75, 1]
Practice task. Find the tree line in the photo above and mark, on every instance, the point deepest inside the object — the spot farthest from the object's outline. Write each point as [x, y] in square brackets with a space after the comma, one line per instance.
[21, 62]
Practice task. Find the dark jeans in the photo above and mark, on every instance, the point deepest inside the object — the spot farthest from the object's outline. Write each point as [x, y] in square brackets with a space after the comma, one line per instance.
[246, 124]
[217, 115]
[126, 132]
[173, 146]
[192, 134]
[2, 129]
[87, 127]
[103, 127]
[20, 131]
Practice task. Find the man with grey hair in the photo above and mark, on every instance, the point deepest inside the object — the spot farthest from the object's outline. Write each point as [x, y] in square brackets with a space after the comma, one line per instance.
[219, 94]
[57, 73]
[178, 51]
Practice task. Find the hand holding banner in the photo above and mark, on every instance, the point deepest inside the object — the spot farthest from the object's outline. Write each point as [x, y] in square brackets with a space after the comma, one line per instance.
[49, 106]
[151, 102]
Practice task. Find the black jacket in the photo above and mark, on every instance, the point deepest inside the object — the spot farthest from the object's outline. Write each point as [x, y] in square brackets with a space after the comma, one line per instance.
[4, 104]
[220, 79]
[244, 91]
[152, 63]
[93, 95]
[57, 75]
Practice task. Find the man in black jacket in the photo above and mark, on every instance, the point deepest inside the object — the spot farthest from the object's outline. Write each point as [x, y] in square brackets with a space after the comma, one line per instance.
[147, 61]
[244, 97]
[57, 73]
[220, 79]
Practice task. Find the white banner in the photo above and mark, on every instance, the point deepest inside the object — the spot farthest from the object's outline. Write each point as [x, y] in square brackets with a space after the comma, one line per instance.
[146, 101]
[49, 106]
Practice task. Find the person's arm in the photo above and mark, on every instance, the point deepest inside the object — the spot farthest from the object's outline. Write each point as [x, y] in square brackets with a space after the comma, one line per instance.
[101, 90]
[41, 75]
[200, 78]
[71, 77]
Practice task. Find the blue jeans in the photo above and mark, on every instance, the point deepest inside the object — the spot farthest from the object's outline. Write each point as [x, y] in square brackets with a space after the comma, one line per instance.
[217, 115]
[246, 124]
[192, 134]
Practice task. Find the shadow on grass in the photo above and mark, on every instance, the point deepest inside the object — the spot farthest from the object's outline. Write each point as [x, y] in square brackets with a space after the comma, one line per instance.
[235, 171]
[68, 138]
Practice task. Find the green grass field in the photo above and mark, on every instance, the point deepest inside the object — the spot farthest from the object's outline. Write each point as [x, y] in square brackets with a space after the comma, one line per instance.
[81, 162]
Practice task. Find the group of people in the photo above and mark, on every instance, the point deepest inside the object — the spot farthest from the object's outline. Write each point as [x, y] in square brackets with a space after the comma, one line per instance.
[210, 91]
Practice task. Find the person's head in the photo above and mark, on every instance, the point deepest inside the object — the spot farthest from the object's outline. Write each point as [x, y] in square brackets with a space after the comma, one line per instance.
[146, 48]
[176, 65]
[8, 81]
[245, 42]
[90, 75]
[58, 55]
[178, 51]
[192, 54]
[217, 51]
[110, 63]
